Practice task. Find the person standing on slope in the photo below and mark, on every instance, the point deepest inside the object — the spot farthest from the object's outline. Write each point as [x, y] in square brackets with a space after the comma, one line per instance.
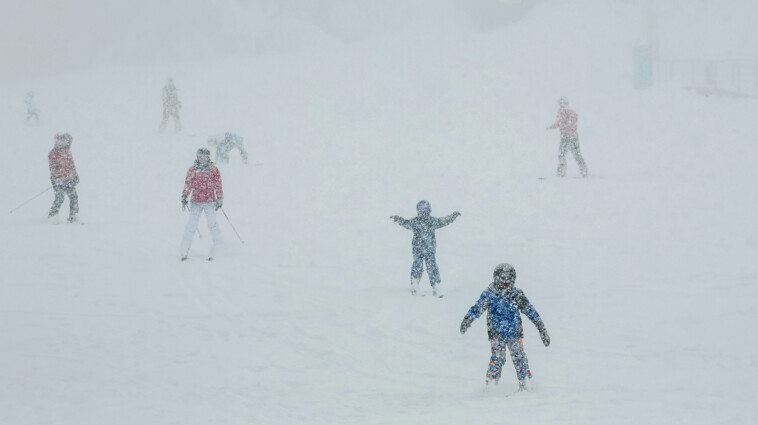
[171, 105]
[566, 122]
[224, 144]
[203, 182]
[63, 176]
[31, 107]
[425, 243]
[504, 304]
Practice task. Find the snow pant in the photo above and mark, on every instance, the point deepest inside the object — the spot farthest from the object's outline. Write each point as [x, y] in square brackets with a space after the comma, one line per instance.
[222, 151]
[431, 267]
[210, 216]
[520, 362]
[569, 143]
[171, 112]
[68, 188]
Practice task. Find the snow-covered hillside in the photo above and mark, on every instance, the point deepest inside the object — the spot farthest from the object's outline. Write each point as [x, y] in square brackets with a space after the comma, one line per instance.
[644, 272]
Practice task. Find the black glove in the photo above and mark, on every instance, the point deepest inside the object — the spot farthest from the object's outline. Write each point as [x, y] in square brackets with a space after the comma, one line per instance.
[545, 337]
[543, 332]
[184, 202]
[466, 323]
[396, 218]
[76, 180]
[456, 214]
[219, 203]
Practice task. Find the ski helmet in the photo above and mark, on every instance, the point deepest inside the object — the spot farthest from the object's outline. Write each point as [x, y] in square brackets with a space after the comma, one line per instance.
[423, 207]
[505, 273]
[563, 101]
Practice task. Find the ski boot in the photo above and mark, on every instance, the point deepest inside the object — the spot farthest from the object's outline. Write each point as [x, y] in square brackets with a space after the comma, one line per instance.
[414, 284]
[525, 384]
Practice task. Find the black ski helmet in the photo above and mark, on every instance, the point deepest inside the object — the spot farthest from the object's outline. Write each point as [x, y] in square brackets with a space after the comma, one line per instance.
[203, 151]
[505, 273]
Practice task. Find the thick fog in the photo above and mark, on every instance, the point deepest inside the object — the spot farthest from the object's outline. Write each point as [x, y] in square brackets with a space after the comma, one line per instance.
[352, 111]
[49, 37]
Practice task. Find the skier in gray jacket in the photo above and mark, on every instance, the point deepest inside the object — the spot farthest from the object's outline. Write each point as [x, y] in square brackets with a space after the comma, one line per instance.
[425, 243]
[171, 105]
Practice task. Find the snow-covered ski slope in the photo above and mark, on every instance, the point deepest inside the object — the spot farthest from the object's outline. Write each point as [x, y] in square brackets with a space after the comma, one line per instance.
[645, 272]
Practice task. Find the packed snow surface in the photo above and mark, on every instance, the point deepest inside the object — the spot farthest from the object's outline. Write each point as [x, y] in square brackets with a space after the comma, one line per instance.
[644, 273]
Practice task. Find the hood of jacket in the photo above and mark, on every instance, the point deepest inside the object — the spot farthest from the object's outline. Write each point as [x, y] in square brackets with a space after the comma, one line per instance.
[62, 142]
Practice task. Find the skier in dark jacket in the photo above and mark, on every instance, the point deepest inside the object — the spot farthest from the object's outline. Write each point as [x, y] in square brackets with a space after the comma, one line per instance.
[425, 243]
[504, 304]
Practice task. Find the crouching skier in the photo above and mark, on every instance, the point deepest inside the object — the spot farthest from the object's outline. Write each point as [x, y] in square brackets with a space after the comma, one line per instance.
[204, 182]
[425, 244]
[504, 304]
[224, 144]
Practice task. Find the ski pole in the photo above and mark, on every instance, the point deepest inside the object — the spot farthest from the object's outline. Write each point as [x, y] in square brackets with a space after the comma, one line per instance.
[30, 200]
[230, 223]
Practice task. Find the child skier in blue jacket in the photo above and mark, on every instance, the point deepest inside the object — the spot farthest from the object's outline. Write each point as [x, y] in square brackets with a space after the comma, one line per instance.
[504, 304]
[425, 243]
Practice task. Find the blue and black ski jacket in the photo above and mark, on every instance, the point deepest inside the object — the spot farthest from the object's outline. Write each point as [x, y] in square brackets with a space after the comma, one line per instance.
[504, 308]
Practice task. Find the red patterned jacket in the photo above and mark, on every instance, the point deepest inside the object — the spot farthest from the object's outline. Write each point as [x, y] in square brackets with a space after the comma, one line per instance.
[62, 162]
[204, 183]
[566, 121]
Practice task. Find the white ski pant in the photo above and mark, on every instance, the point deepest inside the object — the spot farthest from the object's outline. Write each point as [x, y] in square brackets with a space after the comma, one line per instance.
[210, 216]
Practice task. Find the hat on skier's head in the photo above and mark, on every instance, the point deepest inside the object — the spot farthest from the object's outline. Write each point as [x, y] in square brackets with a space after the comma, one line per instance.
[203, 156]
[423, 207]
[563, 101]
[62, 140]
[504, 274]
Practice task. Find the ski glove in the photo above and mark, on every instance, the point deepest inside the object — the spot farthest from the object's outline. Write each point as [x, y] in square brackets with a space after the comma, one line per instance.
[184, 202]
[219, 203]
[543, 332]
[545, 337]
[76, 180]
[466, 323]
[396, 218]
[456, 214]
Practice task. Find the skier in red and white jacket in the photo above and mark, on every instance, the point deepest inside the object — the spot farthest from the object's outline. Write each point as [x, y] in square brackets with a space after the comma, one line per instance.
[63, 176]
[203, 182]
[566, 122]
